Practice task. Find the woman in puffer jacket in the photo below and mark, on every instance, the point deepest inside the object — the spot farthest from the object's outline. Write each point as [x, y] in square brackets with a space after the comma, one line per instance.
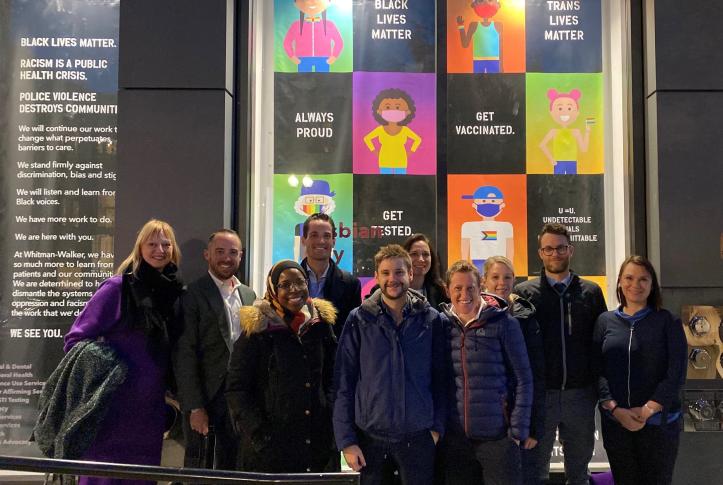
[499, 279]
[490, 417]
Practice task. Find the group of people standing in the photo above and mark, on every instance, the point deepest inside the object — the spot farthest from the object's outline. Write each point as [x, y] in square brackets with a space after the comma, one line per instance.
[466, 379]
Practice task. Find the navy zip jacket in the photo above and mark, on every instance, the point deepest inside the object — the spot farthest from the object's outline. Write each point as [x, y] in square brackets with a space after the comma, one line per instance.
[390, 380]
[487, 356]
[640, 362]
[566, 322]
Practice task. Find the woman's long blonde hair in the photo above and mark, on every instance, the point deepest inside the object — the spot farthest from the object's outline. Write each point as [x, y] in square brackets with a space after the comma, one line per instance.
[150, 229]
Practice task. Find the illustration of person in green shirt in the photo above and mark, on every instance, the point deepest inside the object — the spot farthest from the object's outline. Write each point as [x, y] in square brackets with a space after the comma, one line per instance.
[393, 109]
[485, 35]
[564, 109]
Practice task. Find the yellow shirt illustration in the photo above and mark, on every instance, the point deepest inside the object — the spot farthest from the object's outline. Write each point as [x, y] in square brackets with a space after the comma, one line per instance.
[393, 153]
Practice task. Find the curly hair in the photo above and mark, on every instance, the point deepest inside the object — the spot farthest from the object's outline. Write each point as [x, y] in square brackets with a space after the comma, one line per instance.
[393, 93]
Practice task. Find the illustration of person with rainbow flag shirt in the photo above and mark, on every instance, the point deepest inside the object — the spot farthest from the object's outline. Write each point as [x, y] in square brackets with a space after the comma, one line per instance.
[488, 237]
[564, 109]
[393, 109]
[485, 35]
[313, 43]
[316, 197]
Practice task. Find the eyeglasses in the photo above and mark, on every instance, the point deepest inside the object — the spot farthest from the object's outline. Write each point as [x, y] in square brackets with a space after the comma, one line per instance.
[288, 285]
[561, 250]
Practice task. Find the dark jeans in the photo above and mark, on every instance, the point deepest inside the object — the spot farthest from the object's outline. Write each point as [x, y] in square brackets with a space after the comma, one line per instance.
[572, 412]
[226, 442]
[641, 457]
[466, 461]
[413, 456]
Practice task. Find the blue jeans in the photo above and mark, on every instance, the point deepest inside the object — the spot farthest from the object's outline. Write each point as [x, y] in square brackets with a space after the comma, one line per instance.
[487, 66]
[566, 168]
[392, 171]
[572, 411]
[413, 456]
[311, 64]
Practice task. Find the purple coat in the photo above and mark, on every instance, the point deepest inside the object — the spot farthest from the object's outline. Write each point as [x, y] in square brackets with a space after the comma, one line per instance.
[132, 431]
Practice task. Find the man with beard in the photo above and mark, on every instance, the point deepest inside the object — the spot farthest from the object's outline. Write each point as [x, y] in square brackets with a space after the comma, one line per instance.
[485, 35]
[210, 327]
[567, 308]
[326, 279]
[391, 381]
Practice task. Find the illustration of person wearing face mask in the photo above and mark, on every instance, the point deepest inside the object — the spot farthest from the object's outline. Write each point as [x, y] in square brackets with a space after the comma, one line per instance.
[313, 43]
[485, 36]
[315, 198]
[488, 237]
[564, 109]
[393, 109]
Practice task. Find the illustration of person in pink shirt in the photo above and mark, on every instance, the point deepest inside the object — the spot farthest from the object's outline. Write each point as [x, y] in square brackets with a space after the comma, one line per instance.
[313, 42]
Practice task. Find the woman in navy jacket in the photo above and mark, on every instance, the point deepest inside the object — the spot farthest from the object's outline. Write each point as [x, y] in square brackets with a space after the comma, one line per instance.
[487, 353]
[639, 353]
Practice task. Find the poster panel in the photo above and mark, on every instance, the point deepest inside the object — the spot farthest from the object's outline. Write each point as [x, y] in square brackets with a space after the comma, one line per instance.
[564, 36]
[395, 35]
[486, 123]
[306, 40]
[387, 210]
[58, 92]
[576, 202]
[297, 197]
[487, 216]
[395, 121]
[312, 123]
[485, 38]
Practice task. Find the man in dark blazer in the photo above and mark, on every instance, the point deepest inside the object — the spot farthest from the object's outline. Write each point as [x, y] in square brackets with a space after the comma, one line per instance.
[200, 358]
[326, 279]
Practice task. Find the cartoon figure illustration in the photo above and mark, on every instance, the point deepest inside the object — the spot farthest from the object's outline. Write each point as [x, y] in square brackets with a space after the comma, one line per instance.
[564, 109]
[488, 237]
[315, 197]
[485, 35]
[313, 42]
[393, 109]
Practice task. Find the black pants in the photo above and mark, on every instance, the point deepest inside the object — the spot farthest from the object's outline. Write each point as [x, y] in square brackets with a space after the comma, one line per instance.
[413, 456]
[641, 457]
[226, 442]
[464, 461]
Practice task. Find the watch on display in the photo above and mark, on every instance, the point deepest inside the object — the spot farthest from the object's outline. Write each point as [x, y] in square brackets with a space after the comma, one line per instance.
[702, 410]
[699, 326]
[699, 358]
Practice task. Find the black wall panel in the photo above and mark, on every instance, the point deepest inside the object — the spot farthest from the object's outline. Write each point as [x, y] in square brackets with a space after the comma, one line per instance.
[176, 44]
[688, 37]
[690, 178]
[173, 166]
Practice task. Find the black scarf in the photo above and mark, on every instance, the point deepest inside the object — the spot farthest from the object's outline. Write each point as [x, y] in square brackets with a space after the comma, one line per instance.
[151, 298]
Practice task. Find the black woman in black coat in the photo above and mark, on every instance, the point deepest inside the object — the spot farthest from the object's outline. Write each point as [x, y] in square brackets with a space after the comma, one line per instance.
[279, 386]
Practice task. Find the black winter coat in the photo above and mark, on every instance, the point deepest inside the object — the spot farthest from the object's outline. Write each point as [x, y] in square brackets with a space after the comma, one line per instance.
[566, 322]
[524, 312]
[279, 391]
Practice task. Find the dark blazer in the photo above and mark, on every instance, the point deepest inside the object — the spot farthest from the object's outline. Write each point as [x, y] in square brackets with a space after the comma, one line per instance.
[201, 356]
[343, 290]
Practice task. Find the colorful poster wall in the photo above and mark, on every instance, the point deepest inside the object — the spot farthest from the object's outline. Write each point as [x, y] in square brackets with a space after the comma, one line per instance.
[58, 99]
[525, 133]
[355, 124]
